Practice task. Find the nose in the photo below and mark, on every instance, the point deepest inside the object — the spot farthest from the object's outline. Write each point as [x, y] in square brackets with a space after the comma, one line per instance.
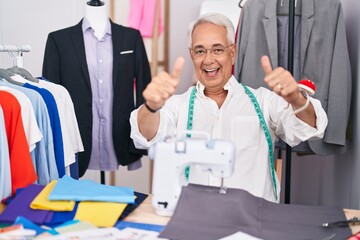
[208, 58]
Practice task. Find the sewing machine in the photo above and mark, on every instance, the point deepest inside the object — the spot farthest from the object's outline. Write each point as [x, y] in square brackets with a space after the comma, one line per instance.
[173, 155]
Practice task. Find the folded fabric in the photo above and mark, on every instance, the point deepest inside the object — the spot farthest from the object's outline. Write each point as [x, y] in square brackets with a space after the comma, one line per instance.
[41, 200]
[20, 206]
[27, 224]
[101, 214]
[74, 226]
[68, 188]
[62, 216]
[139, 198]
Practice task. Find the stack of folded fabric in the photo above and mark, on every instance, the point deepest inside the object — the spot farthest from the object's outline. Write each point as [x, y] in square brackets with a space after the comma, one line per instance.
[69, 201]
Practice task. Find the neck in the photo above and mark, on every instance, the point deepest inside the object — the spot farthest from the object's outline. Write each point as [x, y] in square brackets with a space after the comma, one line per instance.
[218, 96]
[97, 17]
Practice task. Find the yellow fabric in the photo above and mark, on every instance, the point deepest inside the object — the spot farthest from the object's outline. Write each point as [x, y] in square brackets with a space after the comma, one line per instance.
[41, 201]
[101, 214]
[2, 207]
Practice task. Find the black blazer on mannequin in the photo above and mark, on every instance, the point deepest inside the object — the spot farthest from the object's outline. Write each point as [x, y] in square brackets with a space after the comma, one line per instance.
[65, 64]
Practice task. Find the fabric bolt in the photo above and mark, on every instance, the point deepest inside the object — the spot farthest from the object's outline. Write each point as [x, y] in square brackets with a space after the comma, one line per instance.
[238, 122]
[43, 154]
[20, 206]
[101, 214]
[55, 126]
[21, 166]
[142, 16]
[68, 188]
[69, 126]
[238, 210]
[41, 201]
[5, 177]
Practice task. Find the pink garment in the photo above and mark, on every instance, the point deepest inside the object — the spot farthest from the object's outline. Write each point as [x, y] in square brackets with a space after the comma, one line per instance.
[141, 16]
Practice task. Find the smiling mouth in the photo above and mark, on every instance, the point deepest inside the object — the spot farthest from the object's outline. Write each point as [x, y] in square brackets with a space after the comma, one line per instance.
[211, 72]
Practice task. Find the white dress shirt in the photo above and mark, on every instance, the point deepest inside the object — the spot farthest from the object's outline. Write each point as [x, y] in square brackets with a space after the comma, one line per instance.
[237, 121]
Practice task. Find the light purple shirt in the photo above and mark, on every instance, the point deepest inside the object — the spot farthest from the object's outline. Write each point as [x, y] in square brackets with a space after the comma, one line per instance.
[99, 58]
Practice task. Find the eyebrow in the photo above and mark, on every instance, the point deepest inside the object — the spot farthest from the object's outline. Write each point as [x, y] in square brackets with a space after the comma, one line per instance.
[214, 45]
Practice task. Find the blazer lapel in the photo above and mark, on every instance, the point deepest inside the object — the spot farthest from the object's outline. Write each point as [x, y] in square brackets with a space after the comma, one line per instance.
[78, 42]
[117, 39]
[306, 27]
[270, 27]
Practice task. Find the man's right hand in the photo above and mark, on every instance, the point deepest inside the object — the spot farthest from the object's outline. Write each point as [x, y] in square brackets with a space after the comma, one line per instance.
[163, 86]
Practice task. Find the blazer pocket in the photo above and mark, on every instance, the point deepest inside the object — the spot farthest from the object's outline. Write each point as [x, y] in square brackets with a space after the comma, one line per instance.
[126, 52]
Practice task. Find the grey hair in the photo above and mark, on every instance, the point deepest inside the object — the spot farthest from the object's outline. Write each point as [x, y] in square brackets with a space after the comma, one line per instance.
[214, 18]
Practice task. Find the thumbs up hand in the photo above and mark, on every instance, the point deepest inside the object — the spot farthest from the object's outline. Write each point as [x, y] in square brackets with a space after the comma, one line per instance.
[281, 81]
[163, 86]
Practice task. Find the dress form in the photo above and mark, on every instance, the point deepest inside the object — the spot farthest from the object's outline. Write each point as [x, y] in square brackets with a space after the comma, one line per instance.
[97, 17]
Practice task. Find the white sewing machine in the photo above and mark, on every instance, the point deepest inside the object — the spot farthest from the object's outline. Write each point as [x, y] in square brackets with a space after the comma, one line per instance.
[171, 157]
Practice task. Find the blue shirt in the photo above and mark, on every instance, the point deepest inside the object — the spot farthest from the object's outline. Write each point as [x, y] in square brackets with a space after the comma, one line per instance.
[55, 126]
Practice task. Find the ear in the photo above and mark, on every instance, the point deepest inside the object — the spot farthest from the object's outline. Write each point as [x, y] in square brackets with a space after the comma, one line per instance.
[233, 53]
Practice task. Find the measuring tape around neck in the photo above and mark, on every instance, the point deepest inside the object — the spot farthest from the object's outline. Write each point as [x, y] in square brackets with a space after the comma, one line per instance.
[262, 123]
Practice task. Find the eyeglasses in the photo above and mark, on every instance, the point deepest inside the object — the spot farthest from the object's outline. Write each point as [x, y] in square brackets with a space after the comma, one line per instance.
[200, 52]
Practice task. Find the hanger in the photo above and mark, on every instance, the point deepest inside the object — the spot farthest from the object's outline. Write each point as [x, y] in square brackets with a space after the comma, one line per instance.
[6, 75]
[95, 3]
[24, 73]
[282, 8]
[242, 3]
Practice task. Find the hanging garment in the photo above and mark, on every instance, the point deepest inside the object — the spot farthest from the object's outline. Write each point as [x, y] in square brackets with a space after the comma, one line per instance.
[69, 126]
[5, 177]
[65, 64]
[142, 16]
[324, 59]
[43, 154]
[21, 166]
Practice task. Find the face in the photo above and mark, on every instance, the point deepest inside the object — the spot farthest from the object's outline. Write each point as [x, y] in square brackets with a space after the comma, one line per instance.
[212, 70]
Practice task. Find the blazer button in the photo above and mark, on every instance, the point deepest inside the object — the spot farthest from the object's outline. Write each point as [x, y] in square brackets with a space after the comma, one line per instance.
[90, 127]
[89, 105]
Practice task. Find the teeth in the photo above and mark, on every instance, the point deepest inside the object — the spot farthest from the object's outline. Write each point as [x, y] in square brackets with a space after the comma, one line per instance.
[210, 70]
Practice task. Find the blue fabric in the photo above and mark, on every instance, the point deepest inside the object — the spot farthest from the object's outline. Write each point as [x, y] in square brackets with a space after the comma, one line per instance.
[27, 224]
[60, 217]
[68, 188]
[144, 226]
[55, 126]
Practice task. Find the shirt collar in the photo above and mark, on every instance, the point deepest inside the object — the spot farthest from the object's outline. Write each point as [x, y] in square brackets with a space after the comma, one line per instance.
[229, 86]
[86, 26]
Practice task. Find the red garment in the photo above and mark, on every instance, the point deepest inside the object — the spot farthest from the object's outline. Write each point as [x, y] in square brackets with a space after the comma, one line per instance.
[21, 166]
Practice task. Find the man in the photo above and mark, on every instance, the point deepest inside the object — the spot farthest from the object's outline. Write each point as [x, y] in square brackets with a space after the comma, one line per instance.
[227, 110]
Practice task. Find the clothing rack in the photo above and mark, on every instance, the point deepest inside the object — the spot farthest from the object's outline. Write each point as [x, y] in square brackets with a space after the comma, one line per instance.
[292, 4]
[11, 49]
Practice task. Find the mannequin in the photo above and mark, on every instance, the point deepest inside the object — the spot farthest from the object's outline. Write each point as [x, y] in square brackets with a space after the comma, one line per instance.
[99, 62]
[97, 15]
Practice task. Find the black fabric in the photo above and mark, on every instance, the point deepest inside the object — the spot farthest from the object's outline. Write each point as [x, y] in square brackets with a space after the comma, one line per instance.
[204, 214]
[140, 197]
[65, 64]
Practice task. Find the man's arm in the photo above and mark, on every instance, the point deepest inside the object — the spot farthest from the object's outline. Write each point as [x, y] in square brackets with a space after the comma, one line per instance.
[161, 88]
[284, 84]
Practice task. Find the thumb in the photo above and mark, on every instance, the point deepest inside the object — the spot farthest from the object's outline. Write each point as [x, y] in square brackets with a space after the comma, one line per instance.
[266, 65]
[178, 66]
